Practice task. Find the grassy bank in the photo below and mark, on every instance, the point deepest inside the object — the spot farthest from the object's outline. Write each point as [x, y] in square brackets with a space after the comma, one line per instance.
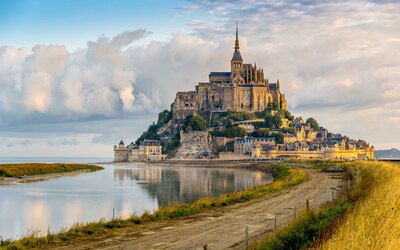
[283, 177]
[301, 233]
[25, 169]
[373, 222]
[368, 218]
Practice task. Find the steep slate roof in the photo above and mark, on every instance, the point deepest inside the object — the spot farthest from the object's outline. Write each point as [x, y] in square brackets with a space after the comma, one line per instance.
[220, 74]
[150, 143]
[272, 86]
[237, 56]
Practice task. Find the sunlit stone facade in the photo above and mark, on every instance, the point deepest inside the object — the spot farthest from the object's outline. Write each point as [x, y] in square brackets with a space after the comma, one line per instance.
[243, 88]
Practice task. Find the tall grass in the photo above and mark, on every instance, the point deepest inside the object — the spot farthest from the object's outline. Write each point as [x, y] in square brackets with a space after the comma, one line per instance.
[371, 221]
[283, 177]
[374, 222]
[22, 169]
[301, 233]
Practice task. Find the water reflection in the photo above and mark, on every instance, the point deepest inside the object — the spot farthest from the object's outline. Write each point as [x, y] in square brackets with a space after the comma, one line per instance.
[128, 188]
[181, 185]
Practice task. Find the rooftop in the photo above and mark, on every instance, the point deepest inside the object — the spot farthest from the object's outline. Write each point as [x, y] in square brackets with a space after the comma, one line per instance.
[150, 143]
[220, 74]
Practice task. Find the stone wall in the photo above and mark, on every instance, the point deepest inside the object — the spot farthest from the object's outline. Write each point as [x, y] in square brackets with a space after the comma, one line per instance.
[121, 154]
[193, 145]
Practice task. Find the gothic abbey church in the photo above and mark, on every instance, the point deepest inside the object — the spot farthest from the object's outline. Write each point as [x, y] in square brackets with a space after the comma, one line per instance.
[244, 88]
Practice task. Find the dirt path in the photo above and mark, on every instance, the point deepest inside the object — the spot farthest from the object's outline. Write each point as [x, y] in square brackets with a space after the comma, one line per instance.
[224, 228]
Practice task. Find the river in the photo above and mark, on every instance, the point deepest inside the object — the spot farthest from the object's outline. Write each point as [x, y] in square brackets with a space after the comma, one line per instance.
[125, 188]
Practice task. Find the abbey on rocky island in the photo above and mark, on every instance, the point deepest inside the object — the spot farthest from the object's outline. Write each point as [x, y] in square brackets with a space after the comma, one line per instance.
[244, 88]
[238, 115]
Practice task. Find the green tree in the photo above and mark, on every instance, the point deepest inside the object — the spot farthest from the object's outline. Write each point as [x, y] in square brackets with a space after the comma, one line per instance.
[235, 132]
[163, 118]
[273, 105]
[277, 120]
[278, 137]
[314, 124]
[150, 134]
[172, 145]
[194, 123]
[288, 130]
[288, 115]
[231, 132]
[240, 116]
[230, 147]
[260, 133]
[268, 121]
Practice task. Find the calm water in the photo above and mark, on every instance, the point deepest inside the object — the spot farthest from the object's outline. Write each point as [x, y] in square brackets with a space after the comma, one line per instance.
[131, 187]
[55, 159]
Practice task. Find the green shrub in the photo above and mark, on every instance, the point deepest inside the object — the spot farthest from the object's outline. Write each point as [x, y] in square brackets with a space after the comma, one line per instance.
[280, 171]
[194, 123]
[231, 132]
[314, 124]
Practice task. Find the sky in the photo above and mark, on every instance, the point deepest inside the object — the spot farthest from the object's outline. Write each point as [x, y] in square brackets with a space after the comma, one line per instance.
[78, 76]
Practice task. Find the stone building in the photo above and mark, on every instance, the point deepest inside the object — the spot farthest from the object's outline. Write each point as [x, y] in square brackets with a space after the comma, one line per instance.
[243, 88]
[121, 153]
[148, 150]
[252, 146]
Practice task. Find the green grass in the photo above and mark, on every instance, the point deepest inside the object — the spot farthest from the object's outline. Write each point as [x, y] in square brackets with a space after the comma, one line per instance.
[301, 233]
[283, 177]
[26, 169]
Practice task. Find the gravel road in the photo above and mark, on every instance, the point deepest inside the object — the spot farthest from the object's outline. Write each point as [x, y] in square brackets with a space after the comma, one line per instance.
[226, 227]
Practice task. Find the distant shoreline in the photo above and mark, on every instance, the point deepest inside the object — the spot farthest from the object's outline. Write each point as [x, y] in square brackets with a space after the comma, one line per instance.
[33, 172]
[38, 177]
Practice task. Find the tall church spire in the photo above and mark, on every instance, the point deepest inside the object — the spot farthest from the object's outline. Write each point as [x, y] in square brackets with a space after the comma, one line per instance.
[237, 39]
[236, 54]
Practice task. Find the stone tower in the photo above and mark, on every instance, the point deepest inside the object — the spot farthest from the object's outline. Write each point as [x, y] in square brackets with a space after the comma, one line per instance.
[237, 62]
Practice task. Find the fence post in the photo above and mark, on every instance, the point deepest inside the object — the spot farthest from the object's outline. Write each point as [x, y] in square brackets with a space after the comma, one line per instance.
[275, 224]
[307, 204]
[247, 238]
[358, 182]
[113, 212]
[294, 215]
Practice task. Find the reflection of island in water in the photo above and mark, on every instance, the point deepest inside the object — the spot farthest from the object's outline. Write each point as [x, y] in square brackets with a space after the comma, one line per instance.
[186, 184]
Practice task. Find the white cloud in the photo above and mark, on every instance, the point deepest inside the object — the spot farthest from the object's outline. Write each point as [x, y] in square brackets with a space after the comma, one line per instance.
[98, 80]
[38, 91]
[336, 61]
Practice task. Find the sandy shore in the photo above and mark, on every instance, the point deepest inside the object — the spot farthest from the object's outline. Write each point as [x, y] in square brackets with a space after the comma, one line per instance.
[39, 177]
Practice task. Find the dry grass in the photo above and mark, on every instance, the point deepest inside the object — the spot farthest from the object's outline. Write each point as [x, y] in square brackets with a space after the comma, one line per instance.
[374, 221]
[24, 169]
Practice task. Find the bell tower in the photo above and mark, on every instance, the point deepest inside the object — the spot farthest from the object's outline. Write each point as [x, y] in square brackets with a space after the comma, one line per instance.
[237, 61]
